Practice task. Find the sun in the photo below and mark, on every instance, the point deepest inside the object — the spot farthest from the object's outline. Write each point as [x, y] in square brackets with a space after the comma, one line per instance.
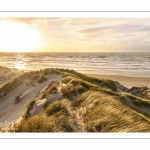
[18, 37]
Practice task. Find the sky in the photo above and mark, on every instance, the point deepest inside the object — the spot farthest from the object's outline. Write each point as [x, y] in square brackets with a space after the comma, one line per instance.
[75, 34]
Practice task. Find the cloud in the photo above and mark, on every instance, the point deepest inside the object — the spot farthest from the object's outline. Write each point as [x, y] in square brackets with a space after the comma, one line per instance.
[30, 20]
[117, 28]
[83, 21]
[92, 30]
[118, 31]
[94, 21]
[122, 32]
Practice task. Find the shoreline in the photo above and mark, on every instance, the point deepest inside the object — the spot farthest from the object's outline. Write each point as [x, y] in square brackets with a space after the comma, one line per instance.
[125, 80]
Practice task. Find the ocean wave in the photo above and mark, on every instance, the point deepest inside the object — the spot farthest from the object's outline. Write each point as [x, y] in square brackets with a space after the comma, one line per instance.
[134, 63]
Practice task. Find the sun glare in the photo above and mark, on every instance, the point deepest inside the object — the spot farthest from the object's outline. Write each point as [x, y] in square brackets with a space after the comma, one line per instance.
[18, 37]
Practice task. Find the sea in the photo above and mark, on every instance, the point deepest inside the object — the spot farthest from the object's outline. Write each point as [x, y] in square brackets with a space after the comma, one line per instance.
[135, 64]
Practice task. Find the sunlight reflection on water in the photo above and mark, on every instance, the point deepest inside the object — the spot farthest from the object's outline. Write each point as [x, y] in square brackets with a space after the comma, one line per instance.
[20, 62]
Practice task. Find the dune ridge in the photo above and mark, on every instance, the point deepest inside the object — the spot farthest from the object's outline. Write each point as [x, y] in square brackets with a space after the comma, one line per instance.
[62, 100]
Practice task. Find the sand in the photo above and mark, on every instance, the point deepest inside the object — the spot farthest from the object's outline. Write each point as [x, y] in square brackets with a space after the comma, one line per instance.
[125, 80]
[11, 112]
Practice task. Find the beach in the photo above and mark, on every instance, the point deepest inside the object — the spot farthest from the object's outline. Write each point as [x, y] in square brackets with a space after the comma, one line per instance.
[125, 80]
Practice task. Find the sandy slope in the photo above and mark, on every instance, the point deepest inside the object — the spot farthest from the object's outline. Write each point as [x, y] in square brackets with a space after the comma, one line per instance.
[7, 73]
[11, 112]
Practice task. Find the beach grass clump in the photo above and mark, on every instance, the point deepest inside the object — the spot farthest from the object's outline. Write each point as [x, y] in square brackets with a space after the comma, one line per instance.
[7, 87]
[99, 82]
[70, 90]
[29, 107]
[34, 124]
[108, 91]
[41, 79]
[109, 84]
[46, 71]
[79, 100]
[104, 113]
[138, 104]
[136, 100]
[78, 86]
[80, 89]
[56, 118]
[67, 90]
[17, 99]
[55, 70]
[74, 86]
[57, 108]
[67, 79]
[105, 83]
[53, 89]
[50, 90]
[35, 77]
[69, 71]
[41, 123]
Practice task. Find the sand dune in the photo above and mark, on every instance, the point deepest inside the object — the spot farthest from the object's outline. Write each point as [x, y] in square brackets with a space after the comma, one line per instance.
[7, 73]
[11, 112]
[32, 93]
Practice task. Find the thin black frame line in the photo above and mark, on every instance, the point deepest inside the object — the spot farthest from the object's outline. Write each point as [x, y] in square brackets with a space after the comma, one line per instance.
[79, 11]
[77, 138]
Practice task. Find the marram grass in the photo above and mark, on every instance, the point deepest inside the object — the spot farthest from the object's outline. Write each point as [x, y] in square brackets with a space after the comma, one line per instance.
[88, 105]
